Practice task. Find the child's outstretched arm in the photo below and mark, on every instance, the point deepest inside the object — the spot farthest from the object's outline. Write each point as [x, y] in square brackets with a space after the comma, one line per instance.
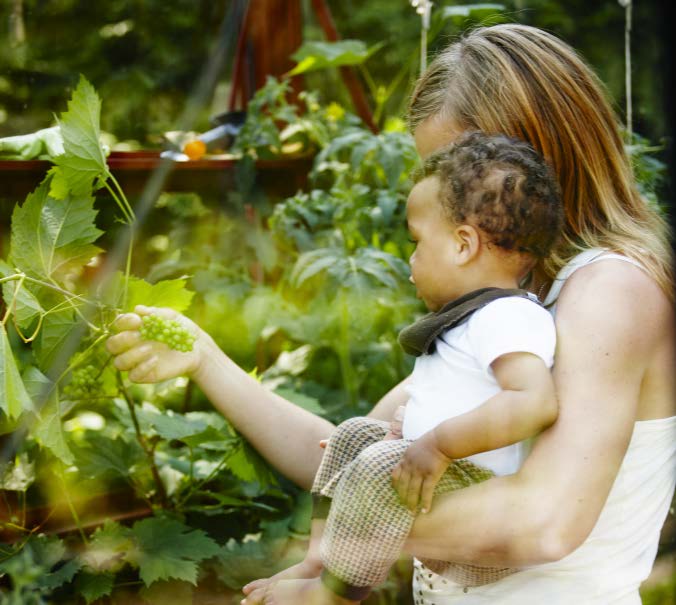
[525, 406]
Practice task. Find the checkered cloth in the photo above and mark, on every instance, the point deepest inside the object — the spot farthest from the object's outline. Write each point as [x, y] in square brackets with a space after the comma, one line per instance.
[367, 526]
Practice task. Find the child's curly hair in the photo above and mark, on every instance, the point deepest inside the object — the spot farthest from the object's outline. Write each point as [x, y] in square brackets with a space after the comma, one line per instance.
[502, 186]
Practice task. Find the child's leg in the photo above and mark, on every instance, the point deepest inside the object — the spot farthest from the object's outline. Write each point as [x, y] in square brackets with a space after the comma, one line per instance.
[346, 442]
[367, 526]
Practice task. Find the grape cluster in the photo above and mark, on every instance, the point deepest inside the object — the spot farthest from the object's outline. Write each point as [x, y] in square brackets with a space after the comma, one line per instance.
[168, 331]
[84, 383]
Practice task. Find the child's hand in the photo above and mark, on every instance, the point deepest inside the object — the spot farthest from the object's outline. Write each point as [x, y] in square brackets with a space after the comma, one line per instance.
[396, 424]
[151, 361]
[418, 473]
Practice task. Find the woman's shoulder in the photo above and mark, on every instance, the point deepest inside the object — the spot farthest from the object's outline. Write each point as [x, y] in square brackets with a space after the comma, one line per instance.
[613, 281]
[618, 301]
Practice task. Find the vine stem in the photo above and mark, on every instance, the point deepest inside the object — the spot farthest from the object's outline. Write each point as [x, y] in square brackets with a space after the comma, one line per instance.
[127, 217]
[195, 486]
[148, 450]
[127, 271]
[10, 306]
[130, 211]
[55, 288]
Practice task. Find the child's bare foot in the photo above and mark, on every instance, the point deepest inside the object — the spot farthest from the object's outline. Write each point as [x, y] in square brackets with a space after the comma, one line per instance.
[307, 592]
[305, 570]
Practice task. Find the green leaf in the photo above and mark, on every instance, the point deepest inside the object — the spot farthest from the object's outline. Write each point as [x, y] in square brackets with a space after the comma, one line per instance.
[167, 549]
[104, 456]
[48, 429]
[50, 238]
[83, 160]
[94, 586]
[304, 401]
[170, 293]
[64, 574]
[56, 329]
[320, 55]
[246, 464]
[14, 398]
[170, 424]
[108, 547]
[26, 306]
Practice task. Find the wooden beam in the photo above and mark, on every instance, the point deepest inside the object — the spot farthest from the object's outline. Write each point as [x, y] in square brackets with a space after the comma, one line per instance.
[348, 74]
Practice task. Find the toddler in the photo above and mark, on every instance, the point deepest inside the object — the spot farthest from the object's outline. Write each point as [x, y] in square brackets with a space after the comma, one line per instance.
[483, 211]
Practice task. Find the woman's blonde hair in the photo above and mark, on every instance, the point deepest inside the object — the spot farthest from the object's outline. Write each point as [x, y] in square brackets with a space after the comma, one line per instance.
[523, 82]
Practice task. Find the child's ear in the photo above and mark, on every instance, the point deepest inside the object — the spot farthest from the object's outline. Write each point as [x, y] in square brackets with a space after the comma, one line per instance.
[468, 243]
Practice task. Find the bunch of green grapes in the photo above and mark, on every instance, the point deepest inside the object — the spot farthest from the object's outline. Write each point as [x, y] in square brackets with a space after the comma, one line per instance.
[168, 331]
[85, 383]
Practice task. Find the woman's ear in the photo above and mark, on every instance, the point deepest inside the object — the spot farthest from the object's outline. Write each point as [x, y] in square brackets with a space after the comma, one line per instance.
[468, 244]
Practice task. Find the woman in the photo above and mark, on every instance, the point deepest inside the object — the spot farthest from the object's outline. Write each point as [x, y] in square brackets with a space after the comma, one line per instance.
[614, 362]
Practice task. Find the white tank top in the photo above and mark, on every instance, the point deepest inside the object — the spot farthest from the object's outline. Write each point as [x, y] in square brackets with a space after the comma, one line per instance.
[618, 555]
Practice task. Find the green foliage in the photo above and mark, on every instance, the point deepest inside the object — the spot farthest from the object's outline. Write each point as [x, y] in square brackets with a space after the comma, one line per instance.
[53, 238]
[13, 396]
[649, 170]
[83, 161]
[321, 55]
[167, 549]
[35, 568]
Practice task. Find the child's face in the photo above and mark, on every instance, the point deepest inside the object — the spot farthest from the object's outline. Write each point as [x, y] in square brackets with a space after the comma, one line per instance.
[435, 268]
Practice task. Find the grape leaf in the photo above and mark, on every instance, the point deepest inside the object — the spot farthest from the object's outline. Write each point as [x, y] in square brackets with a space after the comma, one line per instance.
[61, 576]
[311, 404]
[170, 293]
[108, 547]
[83, 160]
[104, 456]
[167, 549]
[94, 586]
[52, 238]
[55, 331]
[14, 398]
[170, 424]
[246, 464]
[47, 429]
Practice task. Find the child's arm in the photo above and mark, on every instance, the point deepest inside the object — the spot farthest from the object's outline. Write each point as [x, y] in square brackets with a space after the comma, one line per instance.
[525, 406]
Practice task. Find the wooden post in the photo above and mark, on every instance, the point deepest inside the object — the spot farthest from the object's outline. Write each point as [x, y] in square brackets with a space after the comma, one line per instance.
[275, 32]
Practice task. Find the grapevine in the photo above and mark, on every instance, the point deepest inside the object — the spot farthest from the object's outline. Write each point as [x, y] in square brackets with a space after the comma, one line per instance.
[168, 331]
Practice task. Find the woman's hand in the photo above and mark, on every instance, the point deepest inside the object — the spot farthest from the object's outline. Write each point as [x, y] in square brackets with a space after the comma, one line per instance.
[419, 471]
[151, 361]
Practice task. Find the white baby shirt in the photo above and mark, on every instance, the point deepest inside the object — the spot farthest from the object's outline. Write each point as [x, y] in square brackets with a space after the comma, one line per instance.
[457, 377]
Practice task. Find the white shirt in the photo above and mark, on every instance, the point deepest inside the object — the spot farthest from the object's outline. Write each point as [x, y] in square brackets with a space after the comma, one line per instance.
[457, 377]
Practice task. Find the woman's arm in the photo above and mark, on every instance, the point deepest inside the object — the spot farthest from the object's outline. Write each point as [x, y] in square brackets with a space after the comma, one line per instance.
[611, 318]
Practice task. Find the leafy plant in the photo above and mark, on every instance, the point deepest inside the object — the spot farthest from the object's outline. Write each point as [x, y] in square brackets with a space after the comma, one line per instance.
[95, 430]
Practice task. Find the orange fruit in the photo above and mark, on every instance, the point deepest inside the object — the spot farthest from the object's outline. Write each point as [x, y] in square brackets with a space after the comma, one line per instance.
[195, 149]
